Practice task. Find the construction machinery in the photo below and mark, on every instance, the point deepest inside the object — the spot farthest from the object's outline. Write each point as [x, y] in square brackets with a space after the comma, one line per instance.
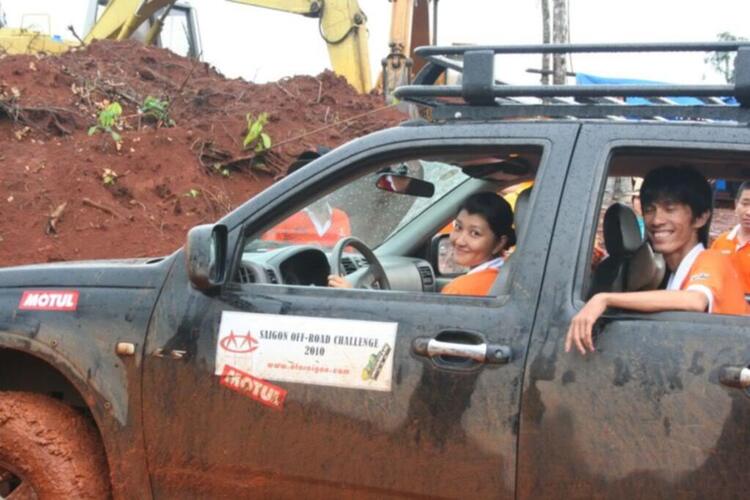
[108, 19]
[342, 26]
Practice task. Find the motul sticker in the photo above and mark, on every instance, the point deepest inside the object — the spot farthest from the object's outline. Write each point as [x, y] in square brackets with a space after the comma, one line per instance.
[261, 391]
[49, 300]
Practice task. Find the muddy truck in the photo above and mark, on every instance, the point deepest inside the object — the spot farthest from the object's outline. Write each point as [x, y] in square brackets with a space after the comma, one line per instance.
[230, 370]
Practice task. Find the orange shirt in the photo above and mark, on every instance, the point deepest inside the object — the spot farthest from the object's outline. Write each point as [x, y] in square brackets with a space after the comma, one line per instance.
[477, 283]
[300, 229]
[728, 243]
[714, 274]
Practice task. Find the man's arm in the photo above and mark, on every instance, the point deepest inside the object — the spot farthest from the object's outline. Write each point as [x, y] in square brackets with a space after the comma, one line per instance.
[581, 327]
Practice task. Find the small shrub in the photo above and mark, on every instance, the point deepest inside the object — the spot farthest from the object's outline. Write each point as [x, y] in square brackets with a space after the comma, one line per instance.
[255, 137]
[158, 110]
[107, 121]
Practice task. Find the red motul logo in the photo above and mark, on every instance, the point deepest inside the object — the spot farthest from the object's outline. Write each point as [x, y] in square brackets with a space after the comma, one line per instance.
[49, 300]
[255, 388]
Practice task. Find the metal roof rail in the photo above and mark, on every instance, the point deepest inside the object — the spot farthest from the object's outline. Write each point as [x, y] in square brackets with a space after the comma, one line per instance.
[480, 89]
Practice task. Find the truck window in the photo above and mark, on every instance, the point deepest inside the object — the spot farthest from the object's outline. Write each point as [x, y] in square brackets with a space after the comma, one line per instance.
[621, 255]
[415, 201]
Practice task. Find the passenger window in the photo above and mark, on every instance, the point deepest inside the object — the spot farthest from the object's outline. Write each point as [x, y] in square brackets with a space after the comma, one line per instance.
[626, 251]
[390, 227]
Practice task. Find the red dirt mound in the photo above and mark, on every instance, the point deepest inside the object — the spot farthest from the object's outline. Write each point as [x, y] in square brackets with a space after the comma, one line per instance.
[67, 195]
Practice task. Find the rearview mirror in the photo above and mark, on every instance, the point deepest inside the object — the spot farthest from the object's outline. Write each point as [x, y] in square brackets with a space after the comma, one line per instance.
[206, 255]
[403, 184]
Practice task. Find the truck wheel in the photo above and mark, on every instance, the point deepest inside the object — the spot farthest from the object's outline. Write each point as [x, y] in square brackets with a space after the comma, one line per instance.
[48, 451]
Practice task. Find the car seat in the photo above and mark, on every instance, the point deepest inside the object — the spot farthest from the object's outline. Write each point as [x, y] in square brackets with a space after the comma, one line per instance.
[631, 264]
[520, 222]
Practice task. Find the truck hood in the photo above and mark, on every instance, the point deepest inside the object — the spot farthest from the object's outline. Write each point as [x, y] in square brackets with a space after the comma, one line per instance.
[124, 273]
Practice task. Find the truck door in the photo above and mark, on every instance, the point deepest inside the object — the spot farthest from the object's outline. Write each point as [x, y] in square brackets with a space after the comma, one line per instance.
[648, 415]
[408, 423]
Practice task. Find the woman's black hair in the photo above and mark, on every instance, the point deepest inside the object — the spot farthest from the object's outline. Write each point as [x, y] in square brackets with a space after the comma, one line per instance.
[681, 184]
[495, 210]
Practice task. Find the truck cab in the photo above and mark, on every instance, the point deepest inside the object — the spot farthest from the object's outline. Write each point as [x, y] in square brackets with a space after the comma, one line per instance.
[230, 369]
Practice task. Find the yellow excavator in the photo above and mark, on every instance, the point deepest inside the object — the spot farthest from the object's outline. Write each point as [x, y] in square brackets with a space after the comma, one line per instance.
[342, 25]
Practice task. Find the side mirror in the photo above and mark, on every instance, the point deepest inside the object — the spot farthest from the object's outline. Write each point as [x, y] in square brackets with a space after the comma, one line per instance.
[206, 255]
[403, 184]
[441, 256]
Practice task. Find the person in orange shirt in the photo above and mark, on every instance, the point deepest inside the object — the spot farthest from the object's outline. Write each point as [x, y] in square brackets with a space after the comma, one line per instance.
[676, 210]
[510, 194]
[736, 242]
[481, 232]
[483, 229]
[317, 223]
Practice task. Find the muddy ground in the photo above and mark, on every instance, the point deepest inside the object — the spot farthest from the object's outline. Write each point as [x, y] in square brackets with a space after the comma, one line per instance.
[67, 195]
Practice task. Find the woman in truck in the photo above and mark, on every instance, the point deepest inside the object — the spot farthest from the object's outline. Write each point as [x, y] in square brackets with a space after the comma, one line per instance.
[481, 232]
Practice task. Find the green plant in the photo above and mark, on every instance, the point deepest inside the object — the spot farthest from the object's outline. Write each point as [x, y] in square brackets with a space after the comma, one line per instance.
[107, 121]
[193, 193]
[157, 109]
[109, 177]
[255, 137]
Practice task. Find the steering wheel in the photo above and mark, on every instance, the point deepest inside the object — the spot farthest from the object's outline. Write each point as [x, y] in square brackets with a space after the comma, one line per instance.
[373, 277]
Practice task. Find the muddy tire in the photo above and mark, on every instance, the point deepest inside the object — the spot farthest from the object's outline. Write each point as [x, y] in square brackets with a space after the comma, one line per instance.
[48, 451]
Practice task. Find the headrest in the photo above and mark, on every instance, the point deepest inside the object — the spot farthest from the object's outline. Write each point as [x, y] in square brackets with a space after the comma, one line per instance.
[622, 236]
[521, 213]
[646, 270]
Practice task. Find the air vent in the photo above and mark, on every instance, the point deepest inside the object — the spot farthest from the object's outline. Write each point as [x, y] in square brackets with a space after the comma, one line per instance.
[349, 264]
[245, 275]
[428, 279]
[271, 276]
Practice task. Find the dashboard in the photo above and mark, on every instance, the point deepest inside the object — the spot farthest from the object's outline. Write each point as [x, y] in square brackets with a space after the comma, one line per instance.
[309, 266]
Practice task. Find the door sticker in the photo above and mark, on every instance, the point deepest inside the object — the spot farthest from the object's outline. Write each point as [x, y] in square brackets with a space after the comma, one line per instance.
[307, 350]
[261, 391]
[49, 300]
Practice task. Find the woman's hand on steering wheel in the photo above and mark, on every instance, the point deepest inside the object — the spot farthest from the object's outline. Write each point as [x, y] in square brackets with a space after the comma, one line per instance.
[373, 277]
[336, 281]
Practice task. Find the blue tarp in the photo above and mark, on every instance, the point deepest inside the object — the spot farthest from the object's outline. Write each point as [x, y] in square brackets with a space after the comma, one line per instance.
[587, 79]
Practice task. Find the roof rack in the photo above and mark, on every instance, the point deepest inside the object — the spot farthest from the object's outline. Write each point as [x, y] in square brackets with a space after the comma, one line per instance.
[486, 98]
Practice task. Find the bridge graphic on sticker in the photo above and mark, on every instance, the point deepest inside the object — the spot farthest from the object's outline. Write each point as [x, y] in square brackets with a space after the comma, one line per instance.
[239, 343]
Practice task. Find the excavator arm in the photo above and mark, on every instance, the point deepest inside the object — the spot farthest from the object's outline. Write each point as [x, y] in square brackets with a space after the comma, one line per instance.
[121, 19]
[343, 27]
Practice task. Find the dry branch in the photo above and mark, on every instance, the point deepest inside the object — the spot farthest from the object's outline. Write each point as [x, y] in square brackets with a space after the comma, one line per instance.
[99, 206]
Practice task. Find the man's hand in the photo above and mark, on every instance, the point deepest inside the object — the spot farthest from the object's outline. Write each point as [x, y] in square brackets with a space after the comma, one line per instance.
[581, 327]
[336, 281]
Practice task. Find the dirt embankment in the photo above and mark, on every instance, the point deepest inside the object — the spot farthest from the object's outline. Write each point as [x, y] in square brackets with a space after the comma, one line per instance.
[67, 195]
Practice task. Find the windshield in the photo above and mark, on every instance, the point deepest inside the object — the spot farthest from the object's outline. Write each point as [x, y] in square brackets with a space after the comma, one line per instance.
[360, 209]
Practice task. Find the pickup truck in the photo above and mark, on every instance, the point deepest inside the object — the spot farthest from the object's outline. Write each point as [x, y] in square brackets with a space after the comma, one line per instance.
[230, 370]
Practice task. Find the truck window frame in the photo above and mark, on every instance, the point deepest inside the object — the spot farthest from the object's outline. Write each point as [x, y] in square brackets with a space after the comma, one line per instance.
[306, 188]
[582, 282]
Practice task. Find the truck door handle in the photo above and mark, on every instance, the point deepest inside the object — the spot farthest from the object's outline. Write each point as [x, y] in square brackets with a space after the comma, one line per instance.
[169, 353]
[735, 376]
[481, 353]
